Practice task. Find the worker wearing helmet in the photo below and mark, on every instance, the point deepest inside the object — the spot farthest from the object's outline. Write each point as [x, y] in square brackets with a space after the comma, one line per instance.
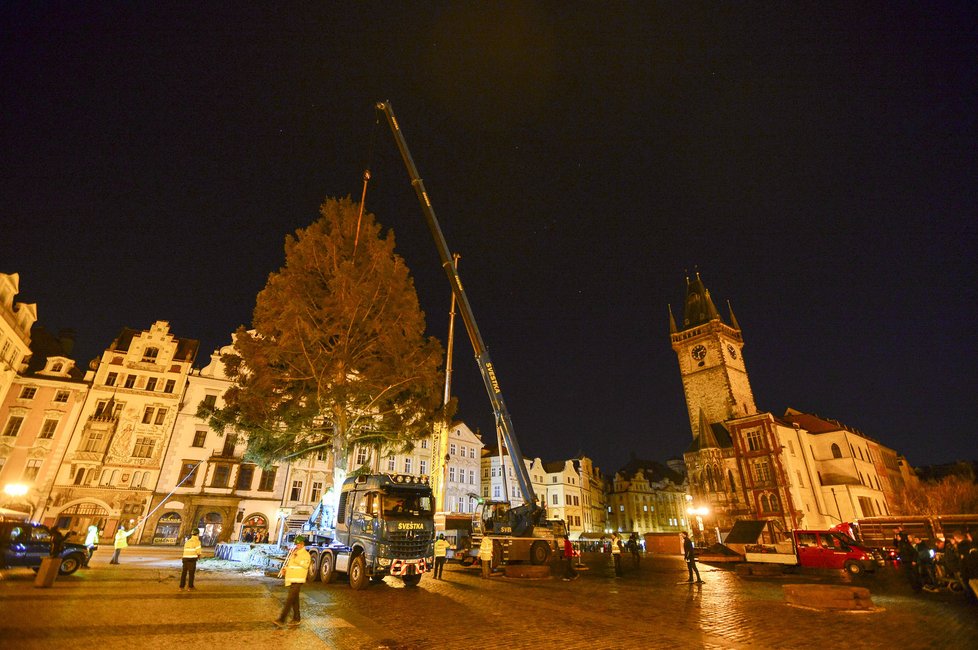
[295, 570]
[441, 555]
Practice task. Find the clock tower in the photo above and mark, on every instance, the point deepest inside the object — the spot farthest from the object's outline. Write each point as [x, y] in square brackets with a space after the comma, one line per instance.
[711, 361]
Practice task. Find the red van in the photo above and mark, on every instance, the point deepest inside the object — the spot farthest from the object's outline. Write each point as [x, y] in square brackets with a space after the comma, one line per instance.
[817, 549]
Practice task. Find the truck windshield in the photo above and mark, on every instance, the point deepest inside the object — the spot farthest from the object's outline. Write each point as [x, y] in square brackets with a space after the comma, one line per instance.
[406, 503]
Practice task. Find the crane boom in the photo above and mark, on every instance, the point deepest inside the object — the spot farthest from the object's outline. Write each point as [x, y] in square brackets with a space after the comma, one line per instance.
[533, 511]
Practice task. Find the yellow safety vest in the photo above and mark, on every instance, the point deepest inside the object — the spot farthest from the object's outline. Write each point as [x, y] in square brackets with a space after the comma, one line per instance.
[441, 548]
[192, 548]
[485, 548]
[120, 538]
[297, 567]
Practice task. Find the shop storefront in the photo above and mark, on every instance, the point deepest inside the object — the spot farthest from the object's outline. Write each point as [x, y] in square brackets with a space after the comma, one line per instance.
[168, 529]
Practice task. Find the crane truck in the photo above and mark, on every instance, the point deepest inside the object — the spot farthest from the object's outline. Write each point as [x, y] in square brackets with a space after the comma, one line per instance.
[521, 533]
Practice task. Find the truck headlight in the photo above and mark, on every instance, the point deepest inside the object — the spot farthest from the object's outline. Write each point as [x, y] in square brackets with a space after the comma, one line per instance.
[383, 561]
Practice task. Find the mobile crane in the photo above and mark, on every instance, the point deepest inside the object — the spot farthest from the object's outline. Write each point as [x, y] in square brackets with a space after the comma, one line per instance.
[523, 532]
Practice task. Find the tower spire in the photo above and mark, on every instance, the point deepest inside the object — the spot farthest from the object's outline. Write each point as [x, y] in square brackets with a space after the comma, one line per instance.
[672, 322]
[733, 319]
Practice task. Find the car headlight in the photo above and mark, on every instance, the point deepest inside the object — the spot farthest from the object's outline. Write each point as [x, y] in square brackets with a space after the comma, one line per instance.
[384, 561]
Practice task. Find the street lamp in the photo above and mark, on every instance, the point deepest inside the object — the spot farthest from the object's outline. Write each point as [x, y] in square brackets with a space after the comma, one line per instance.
[699, 513]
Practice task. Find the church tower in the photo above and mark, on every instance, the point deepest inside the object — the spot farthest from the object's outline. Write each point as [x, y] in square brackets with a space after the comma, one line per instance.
[711, 361]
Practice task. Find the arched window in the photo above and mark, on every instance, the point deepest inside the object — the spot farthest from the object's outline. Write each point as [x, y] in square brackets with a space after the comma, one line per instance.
[57, 367]
[836, 452]
[774, 503]
[115, 477]
[709, 478]
[733, 486]
[764, 503]
[79, 476]
[136, 478]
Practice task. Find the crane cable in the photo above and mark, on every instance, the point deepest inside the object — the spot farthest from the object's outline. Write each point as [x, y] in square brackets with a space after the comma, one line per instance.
[366, 179]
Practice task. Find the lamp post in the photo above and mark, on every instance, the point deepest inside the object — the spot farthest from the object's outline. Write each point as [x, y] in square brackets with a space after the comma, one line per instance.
[699, 513]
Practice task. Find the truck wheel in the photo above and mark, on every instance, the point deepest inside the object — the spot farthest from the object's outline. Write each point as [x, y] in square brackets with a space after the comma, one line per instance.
[358, 573]
[69, 565]
[412, 580]
[313, 568]
[854, 568]
[326, 568]
[539, 553]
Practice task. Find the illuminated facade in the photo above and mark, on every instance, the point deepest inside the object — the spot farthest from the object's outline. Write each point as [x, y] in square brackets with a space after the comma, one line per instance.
[795, 471]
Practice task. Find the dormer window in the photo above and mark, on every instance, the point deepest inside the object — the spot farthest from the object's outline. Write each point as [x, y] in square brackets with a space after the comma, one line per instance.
[57, 366]
[150, 354]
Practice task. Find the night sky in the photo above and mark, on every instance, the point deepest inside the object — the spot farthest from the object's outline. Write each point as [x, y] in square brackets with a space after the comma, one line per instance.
[815, 163]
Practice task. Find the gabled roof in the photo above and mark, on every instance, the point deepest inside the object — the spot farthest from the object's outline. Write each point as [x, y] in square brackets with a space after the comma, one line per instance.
[816, 424]
[653, 470]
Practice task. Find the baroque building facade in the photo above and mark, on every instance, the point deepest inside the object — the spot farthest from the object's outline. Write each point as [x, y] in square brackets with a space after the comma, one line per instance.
[744, 463]
[114, 457]
[647, 497]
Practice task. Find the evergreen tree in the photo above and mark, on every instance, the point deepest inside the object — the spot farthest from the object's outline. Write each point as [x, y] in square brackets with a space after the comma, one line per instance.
[337, 356]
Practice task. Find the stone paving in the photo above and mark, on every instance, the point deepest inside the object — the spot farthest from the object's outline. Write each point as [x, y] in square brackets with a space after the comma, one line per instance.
[137, 604]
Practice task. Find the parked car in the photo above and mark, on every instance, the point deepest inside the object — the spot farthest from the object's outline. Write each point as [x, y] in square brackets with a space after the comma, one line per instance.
[26, 544]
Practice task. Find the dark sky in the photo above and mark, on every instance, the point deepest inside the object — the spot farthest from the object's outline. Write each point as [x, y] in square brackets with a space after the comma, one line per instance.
[816, 163]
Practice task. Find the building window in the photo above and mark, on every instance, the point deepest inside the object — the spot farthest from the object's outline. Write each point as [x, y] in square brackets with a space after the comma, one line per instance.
[200, 437]
[32, 469]
[93, 442]
[567, 499]
[422, 467]
[150, 354]
[28, 392]
[188, 473]
[553, 479]
[485, 472]
[471, 477]
[170, 385]
[130, 381]
[317, 491]
[495, 491]
[151, 384]
[296, 493]
[407, 465]
[267, 482]
[801, 482]
[221, 475]
[110, 379]
[13, 425]
[144, 448]
[451, 474]
[555, 499]
[160, 416]
[230, 441]
[755, 441]
[461, 504]
[452, 449]
[209, 403]
[471, 452]
[148, 414]
[61, 396]
[361, 455]
[246, 474]
[762, 471]
[836, 452]
[48, 429]
[391, 464]
[424, 443]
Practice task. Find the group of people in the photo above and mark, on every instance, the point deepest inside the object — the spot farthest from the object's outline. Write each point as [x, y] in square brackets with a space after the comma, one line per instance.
[951, 561]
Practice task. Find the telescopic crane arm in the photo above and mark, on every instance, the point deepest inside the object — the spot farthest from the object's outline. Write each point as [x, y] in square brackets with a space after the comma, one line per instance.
[503, 422]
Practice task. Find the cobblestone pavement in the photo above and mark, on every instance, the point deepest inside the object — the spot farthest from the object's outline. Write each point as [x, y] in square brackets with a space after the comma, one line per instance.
[137, 604]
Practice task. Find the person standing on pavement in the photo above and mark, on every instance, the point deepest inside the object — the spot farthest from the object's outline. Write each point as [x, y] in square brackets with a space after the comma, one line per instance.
[616, 547]
[690, 556]
[441, 555]
[294, 570]
[633, 548]
[191, 553]
[908, 560]
[121, 542]
[569, 572]
[485, 556]
[91, 540]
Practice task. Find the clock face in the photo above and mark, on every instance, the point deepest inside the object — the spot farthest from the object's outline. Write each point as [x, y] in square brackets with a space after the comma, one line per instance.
[732, 350]
[699, 353]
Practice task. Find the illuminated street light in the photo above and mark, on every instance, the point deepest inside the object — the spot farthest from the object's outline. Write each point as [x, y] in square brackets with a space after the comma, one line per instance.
[16, 489]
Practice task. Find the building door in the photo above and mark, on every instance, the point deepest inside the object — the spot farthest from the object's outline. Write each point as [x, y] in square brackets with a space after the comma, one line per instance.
[254, 530]
[79, 517]
[210, 526]
[168, 529]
